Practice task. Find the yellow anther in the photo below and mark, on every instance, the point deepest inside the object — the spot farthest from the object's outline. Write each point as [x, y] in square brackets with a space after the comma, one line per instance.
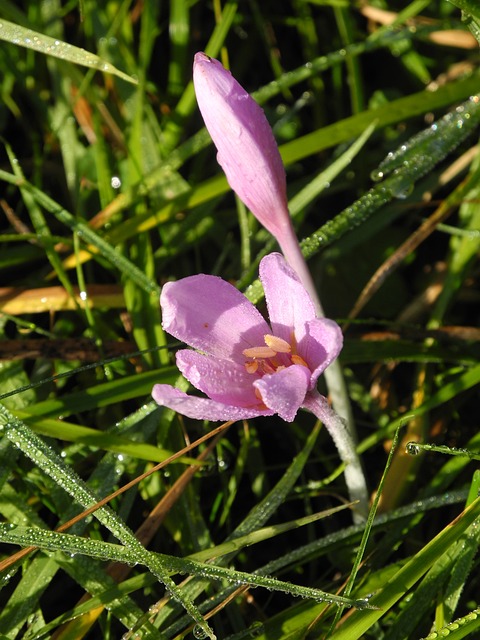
[298, 360]
[259, 352]
[277, 344]
[251, 366]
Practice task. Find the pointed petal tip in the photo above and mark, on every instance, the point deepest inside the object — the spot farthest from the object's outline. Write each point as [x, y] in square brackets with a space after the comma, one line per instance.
[200, 57]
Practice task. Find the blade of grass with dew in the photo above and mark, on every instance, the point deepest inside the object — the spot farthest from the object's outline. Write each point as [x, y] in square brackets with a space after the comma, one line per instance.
[41, 228]
[45, 458]
[458, 385]
[298, 617]
[75, 433]
[84, 231]
[440, 587]
[464, 627]
[462, 250]
[86, 573]
[355, 625]
[144, 153]
[354, 79]
[257, 517]
[186, 104]
[446, 475]
[113, 597]
[23, 37]
[179, 41]
[362, 547]
[385, 115]
[68, 543]
[404, 468]
[421, 154]
[325, 138]
[463, 192]
[265, 533]
[406, 167]
[469, 7]
[100, 395]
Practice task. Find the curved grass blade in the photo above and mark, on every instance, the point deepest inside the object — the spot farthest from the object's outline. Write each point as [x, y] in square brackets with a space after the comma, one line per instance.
[53, 465]
[463, 627]
[115, 258]
[72, 544]
[23, 37]
[419, 157]
[356, 625]
[422, 153]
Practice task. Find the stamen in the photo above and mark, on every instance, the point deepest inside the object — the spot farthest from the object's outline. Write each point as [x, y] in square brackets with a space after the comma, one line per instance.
[267, 367]
[278, 344]
[259, 352]
[299, 360]
[251, 366]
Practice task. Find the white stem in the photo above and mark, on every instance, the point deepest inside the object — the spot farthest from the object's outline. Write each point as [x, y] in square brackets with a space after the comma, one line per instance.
[354, 476]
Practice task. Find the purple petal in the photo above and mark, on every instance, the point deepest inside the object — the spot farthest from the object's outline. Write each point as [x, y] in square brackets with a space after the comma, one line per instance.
[247, 150]
[284, 391]
[222, 380]
[321, 346]
[201, 408]
[289, 305]
[209, 314]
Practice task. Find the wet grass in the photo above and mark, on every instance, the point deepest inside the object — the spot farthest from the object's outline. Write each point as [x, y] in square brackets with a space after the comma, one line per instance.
[109, 188]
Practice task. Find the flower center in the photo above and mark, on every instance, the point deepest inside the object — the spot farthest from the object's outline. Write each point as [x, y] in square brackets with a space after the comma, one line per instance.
[265, 359]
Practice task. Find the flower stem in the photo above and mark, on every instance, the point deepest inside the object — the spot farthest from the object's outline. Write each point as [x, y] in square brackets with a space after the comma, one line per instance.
[333, 375]
[336, 427]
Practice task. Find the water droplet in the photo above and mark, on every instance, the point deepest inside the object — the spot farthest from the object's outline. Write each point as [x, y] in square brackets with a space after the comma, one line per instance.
[199, 633]
[376, 175]
[402, 193]
[412, 449]
[255, 629]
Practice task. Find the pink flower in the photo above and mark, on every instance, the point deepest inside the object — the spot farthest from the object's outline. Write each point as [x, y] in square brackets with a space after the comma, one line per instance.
[245, 366]
[247, 151]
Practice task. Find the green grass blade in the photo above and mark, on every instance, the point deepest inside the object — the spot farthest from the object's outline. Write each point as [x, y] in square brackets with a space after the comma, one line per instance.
[52, 464]
[23, 37]
[359, 623]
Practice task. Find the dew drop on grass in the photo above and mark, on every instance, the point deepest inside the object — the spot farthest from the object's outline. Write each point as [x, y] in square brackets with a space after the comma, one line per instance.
[401, 194]
[199, 633]
[255, 629]
[376, 175]
[412, 449]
